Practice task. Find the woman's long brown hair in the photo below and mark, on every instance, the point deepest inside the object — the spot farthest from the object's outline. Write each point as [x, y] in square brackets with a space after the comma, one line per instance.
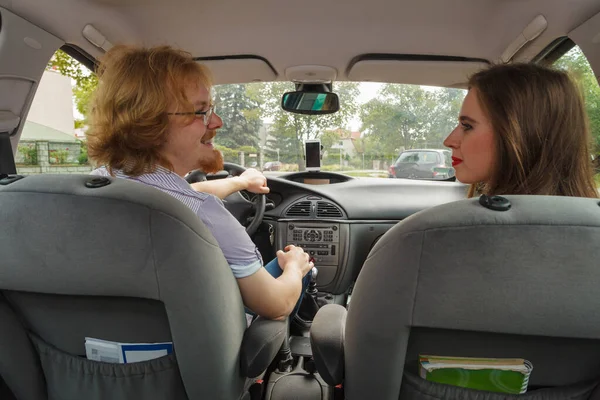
[541, 129]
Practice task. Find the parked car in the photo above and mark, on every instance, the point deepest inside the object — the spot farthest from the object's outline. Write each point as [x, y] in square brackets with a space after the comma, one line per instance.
[272, 166]
[423, 164]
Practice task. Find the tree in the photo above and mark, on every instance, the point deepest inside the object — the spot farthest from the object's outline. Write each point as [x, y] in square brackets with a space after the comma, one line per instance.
[85, 81]
[238, 106]
[407, 116]
[445, 115]
[578, 66]
[398, 117]
[291, 130]
[328, 139]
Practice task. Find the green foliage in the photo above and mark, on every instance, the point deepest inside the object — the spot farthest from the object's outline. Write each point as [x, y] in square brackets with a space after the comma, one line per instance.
[247, 149]
[328, 139]
[331, 167]
[238, 106]
[579, 68]
[406, 116]
[229, 155]
[58, 156]
[291, 130]
[83, 94]
[444, 116]
[29, 153]
[83, 153]
[85, 81]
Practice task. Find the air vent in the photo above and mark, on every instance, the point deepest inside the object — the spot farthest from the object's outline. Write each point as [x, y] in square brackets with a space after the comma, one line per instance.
[301, 209]
[328, 210]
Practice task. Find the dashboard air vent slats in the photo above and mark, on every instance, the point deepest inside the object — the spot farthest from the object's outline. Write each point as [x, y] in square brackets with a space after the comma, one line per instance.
[328, 210]
[300, 209]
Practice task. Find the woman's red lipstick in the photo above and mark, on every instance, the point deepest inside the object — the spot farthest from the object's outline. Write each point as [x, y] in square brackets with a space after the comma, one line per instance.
[456, 161]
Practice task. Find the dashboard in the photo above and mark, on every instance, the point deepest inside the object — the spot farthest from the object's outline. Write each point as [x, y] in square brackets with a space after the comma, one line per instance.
[337, 219]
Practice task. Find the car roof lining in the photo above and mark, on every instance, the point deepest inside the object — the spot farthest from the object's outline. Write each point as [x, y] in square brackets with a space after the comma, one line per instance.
[336, 36]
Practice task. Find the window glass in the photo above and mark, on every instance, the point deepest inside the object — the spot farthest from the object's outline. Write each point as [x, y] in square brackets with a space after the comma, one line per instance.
[53, 136]
[575, 62]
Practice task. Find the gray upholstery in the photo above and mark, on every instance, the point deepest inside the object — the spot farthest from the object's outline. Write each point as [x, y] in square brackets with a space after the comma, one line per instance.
[70, 377]
[327, 334]
[122, 262]
[18, 359]
[262, 341]
[415, 388]
[462, 280]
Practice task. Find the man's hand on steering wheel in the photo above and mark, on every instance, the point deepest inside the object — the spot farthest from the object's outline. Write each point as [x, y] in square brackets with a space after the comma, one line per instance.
[257, 183]
[241, 208]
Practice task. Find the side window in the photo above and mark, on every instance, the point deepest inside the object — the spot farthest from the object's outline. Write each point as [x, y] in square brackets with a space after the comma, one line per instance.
[430, 158]
[575, 62]
[53, 136]
[404, 157]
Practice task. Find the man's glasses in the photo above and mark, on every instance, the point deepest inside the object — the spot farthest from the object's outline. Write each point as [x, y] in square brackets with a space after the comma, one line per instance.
[206, 114]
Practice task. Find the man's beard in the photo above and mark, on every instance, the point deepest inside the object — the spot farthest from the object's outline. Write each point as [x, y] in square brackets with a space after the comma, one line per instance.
[212, 163]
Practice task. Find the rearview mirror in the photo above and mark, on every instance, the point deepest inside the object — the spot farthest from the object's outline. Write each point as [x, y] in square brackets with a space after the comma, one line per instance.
[312, 103]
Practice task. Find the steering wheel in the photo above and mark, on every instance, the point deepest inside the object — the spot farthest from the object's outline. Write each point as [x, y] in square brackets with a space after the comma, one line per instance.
[250, 213]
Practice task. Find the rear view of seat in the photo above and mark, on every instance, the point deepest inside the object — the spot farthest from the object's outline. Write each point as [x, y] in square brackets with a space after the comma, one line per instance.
[116, 260]
[464, 279]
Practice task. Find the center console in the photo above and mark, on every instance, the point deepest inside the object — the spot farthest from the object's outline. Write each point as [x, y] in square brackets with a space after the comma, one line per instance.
[300, 382]
[326, 244]
[324, 241]
[321, 241]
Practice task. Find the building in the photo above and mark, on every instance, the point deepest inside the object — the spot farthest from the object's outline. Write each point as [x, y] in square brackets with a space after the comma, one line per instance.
[48, 142]
[348, 142]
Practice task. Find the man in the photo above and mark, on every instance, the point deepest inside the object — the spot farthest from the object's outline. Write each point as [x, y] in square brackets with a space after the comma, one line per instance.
[152, 120]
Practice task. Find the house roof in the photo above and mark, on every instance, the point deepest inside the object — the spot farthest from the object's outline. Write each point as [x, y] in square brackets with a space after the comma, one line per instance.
[344, 134]
[35, 131]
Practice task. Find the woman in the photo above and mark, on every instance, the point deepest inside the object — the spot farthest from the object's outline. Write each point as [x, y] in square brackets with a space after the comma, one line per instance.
[523, 130]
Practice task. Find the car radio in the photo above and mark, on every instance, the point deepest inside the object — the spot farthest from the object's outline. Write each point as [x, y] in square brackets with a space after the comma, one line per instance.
[320, 241]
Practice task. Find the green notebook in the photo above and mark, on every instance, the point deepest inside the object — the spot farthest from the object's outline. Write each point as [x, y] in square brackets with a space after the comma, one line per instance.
[502, 375]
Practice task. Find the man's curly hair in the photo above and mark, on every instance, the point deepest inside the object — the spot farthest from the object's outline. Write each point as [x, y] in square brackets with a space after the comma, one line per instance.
[128, 119]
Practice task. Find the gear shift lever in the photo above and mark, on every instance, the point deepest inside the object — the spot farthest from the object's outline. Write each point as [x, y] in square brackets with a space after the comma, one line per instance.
[285, 354]
[309, 306]
[311, 289]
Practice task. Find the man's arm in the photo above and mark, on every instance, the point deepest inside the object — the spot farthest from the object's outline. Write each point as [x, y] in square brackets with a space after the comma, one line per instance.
[221, 187]
[261, 292]
[275, 298]
[251, 180]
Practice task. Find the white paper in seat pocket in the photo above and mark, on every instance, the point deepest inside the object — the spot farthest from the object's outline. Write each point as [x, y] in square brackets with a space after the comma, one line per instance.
[124, 353]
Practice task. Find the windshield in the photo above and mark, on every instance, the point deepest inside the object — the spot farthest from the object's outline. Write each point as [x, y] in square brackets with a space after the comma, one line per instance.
[376, 124]
[378, 127]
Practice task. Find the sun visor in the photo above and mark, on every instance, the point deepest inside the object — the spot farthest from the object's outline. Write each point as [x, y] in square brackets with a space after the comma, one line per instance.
[20, 90]
[239, 69]
[9, 121]
[415, 72]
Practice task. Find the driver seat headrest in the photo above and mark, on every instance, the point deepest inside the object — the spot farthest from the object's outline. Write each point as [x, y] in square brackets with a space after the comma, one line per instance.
[464, 279]
[99, 240]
